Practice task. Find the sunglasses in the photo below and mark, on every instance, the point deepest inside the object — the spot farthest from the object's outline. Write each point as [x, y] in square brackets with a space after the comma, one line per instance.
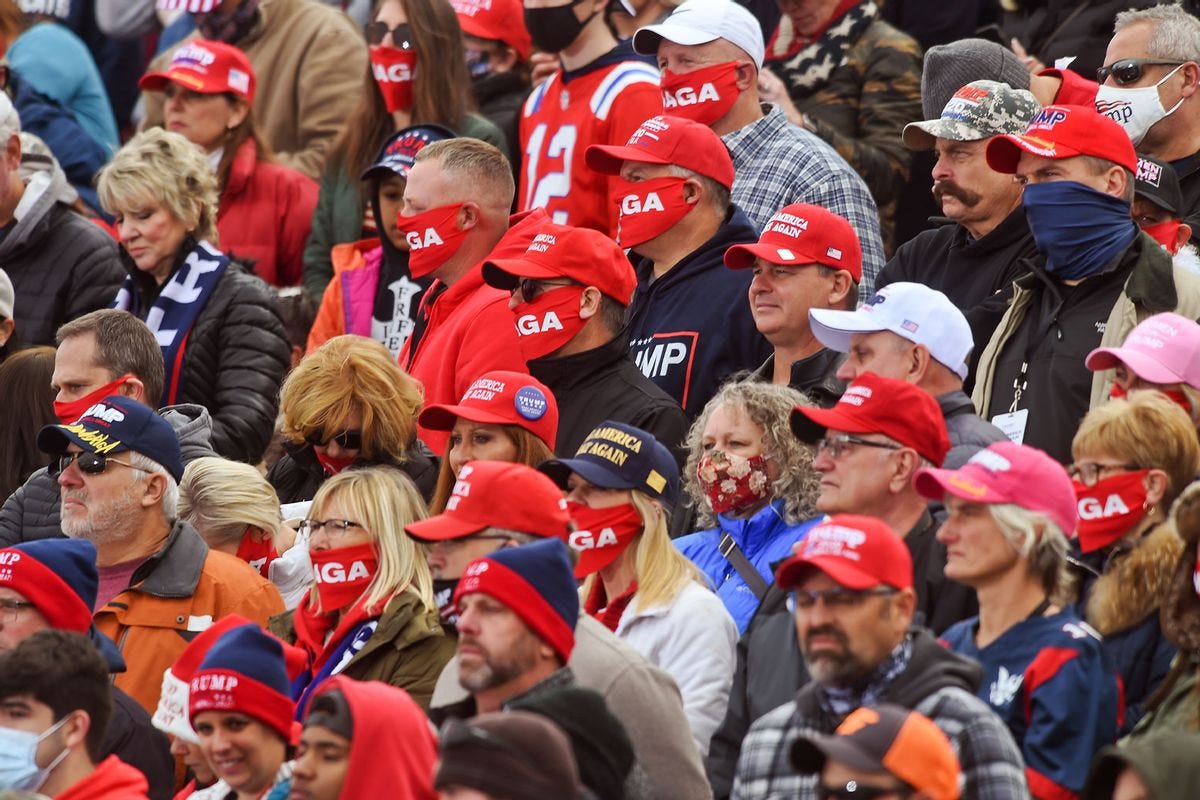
[853, 791]
[376, 32]
[347, 440]
[89, 463]
[1129, 70]
[530, 288]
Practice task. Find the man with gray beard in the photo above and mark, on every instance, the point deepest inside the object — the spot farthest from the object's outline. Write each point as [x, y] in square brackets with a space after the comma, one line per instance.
[118, 469]
[852, 591]
[974, 260]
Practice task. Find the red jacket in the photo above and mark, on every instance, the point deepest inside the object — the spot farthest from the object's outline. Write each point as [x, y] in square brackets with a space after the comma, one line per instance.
[265, 215]
[470, 331]
[113, 779]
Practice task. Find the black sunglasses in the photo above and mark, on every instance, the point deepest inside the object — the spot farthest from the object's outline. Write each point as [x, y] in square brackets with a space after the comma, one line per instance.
[854, 791]
[376, 32]
[90, 463]
[530, 288]
[347, 440]
[1129, 70]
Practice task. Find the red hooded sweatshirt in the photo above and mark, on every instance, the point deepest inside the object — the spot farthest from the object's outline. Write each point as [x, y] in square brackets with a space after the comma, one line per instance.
[112, 780]
[394, 749]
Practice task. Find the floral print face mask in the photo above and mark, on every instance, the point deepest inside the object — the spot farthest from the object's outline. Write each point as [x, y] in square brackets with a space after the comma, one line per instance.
[732, 482]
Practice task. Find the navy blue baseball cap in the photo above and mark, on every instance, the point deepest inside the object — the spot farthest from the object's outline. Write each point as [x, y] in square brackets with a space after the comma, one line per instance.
[400, 151]
[619, 456]
[114, 425]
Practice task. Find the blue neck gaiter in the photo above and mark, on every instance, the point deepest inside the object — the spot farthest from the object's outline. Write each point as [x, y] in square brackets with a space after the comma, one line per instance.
[1078, 229]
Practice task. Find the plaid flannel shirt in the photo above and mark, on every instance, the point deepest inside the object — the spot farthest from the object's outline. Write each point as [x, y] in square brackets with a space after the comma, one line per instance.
[778, 164]
[991, 763]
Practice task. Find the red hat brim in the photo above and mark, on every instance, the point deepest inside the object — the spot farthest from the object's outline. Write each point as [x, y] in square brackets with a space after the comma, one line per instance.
[607, 159]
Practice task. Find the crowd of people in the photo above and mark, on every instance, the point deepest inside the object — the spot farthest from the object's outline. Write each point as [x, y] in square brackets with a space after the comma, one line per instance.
[599, 400]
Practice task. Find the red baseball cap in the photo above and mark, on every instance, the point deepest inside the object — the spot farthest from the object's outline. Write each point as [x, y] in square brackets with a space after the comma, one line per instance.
[1006, 472]
[501, 398]
[668, 140]
[500, 20]
[498, 494]
[872, 404]
[857, 552]
[561, 251]
[803, 234]
[207, 67]
[1064, 132]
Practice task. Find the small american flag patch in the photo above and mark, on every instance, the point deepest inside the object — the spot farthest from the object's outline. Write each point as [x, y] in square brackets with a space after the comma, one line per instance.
[909, 326]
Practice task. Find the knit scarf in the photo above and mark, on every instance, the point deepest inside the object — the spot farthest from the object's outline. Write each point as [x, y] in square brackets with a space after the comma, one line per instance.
[329, 653]
[841, 700]
[805, 66]
[176, 308]
[608, 613]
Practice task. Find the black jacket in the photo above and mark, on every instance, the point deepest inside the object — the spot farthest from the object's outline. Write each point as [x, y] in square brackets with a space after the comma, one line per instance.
[236, 357]
[297, 475]
[132, 738]
[604, 384]
[1188, 170]
[815, 377]
[691, 329]
[500, 96]
[976, 274]
[32, 512]
[61, 265]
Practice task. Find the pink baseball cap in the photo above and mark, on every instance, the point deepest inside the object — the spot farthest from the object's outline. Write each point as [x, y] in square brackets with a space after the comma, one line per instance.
[1006, 472]
[1164, 348]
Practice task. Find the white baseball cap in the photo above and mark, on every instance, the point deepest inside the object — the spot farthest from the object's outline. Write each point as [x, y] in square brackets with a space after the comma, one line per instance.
[704, 21]
[912, 311]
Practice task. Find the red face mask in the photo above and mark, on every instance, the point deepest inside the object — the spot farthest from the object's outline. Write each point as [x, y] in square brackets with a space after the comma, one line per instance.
[258, 554]
[333, 465]
[549, 322]
[393, 71]
[343, 574]
[433, 236]
[601, 534]
[1110, 509]
[1118, 392]
[1165, 234]
[70, 411]
[649, 208]
[704, 95]
[732, 482]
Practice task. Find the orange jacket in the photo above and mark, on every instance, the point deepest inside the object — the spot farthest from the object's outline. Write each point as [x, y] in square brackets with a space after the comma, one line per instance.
[178, 592]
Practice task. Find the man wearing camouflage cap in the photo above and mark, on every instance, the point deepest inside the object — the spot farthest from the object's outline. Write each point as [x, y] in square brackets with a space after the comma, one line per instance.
[977, 259]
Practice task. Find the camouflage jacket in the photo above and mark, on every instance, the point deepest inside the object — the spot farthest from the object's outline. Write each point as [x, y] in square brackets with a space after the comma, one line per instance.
[863, 107]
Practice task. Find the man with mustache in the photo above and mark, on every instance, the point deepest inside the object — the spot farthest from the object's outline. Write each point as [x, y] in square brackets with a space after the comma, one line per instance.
[977, 258]
[852, 591]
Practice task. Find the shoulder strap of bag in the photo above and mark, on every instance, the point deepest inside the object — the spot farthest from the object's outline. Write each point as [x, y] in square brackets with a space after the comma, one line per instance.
[737, 559]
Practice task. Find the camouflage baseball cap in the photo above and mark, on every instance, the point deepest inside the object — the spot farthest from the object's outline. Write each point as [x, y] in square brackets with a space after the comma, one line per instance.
[979, 110]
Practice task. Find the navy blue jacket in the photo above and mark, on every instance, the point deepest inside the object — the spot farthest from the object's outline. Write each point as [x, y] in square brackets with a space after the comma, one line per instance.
[691, 329]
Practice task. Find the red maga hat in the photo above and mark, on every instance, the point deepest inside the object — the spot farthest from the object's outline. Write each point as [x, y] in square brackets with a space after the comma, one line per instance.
[498, 494]
[206, 67]
[561, 251]
[501, 398]
[803, 234]
[500, 20]
[1064, 132]
[668, 140]
[857, 552]
[892, 408]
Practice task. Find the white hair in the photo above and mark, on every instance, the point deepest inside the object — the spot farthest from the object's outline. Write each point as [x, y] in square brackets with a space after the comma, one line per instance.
[1040, 542]
[170, 499]
[1176, 35]
[10, 120]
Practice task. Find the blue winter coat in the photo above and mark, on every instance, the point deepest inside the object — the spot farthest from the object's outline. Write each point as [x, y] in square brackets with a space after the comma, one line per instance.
[765, 539]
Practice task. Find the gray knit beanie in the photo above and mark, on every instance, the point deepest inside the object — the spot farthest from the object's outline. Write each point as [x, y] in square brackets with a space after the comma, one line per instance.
[949, 67]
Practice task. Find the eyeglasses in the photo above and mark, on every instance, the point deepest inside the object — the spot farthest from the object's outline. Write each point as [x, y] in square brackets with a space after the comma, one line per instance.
[347, 440]
[89, 463]
[530, 288]
[837, 598]
[1088, 473]
[336, 527]
[376, 32]
[854, 791]
[10, 609]
[1129, 70]
[838, 445]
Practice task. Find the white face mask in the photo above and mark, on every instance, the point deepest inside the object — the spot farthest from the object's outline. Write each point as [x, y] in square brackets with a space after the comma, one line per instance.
[18, 750]
[1137, 110]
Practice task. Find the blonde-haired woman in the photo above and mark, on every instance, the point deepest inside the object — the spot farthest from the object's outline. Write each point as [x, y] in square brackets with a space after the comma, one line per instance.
[752, 480]
[1133, 458]
[370, 614]
[1045, 673]
[236, 511]
[223, 343]
[348, 404]
[619, 486]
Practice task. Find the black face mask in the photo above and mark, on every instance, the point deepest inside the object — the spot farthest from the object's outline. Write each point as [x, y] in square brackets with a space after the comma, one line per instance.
[553, 29]
[443, 595]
